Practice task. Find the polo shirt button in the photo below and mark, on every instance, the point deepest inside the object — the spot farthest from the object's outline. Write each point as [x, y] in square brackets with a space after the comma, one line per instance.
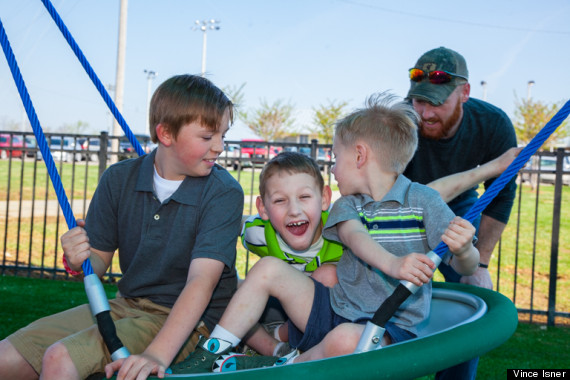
[156, 217]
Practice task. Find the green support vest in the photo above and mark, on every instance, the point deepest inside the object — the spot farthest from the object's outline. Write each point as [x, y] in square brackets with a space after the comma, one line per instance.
[330, 252]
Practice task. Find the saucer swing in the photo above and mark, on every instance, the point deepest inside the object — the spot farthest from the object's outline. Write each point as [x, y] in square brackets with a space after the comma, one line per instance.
[465, 321]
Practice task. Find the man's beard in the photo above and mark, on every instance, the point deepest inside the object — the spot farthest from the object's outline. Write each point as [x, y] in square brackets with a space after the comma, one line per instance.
[446, 125]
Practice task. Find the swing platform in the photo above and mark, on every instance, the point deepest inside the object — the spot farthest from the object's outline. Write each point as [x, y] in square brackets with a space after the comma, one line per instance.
[465, 322]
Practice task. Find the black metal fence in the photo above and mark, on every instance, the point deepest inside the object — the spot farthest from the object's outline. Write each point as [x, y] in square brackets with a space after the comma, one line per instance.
[530, 265]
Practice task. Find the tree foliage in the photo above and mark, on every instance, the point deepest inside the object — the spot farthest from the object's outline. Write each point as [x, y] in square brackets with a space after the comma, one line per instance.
[531, 116]
[80, 127]
[324, 118]
[271, 121]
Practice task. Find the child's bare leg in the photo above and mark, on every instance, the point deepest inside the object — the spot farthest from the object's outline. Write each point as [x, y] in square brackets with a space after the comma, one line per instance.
[12, 364]
[342, 340]
[269, 277]
[261, 341]
[57, 363]
[326, 275]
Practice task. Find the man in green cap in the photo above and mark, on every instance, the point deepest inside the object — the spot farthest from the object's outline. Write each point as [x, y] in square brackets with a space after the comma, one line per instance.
[458, 133]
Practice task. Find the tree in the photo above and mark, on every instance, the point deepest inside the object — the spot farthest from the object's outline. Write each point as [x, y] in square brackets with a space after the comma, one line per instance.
[324, 119]
[81, 127]
[531, 116]
[271, 121]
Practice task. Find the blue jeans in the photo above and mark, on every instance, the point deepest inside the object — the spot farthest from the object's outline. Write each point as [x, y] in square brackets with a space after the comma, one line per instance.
[466, 370]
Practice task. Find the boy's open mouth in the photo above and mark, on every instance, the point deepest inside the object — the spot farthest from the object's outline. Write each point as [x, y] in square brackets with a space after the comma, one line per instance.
[298, 228]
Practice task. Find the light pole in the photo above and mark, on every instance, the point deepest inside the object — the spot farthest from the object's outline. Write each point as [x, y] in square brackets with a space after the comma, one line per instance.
[204, 26]
[150, 75]
[528, 89]
[484, 85]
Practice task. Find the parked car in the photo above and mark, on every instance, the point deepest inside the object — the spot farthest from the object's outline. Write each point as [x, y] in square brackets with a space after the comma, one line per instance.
[31, 148]
[549, 163]
[7, 144]
[92, 146]
[324, 158]
[127, 150]
[66, 149]
[250, 152]
[227, 157]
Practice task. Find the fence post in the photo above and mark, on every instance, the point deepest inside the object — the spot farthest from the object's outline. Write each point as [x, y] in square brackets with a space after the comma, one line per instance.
[103, 153]
[555, 237]
[314, 143]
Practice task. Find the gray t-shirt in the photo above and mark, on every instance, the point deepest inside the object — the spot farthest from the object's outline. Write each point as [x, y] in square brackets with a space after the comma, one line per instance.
[157, 241]
[410, 218]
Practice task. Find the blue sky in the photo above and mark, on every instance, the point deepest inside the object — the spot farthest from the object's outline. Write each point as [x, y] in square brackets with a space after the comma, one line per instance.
[303, 52]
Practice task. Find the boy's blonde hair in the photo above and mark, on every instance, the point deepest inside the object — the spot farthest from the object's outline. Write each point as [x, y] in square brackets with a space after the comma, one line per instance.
[292, 163]
[184, 99]
[388, 127]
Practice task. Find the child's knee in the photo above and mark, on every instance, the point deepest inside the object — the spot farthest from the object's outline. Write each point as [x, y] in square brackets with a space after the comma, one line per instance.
[326, 275]
[57, 354]
[343, 339]
[266, 266]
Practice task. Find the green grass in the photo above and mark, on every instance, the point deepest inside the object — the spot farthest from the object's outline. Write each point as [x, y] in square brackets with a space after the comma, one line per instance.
[25, 299]
[531, 347]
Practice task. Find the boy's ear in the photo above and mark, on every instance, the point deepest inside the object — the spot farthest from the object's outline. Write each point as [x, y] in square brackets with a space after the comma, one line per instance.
[261, 208]
[361, 155]
[327, 197]
[163, 134]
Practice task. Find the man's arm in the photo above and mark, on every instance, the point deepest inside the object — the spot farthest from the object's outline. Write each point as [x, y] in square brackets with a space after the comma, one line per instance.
[452, 185]
[490, 231]
[203, 277]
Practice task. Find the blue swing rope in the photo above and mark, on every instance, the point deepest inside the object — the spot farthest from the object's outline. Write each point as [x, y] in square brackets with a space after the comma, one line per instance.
[98, 302]
[94, 78]
[41, 139]
[512, 169]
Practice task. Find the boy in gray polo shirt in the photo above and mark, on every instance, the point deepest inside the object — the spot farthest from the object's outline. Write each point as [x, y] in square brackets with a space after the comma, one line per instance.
[174, 216]
[372, 147]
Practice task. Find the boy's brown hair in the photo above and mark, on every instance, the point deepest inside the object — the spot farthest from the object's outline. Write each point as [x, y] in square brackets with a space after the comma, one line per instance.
[292, 163]
[184, 99]
[388, 127]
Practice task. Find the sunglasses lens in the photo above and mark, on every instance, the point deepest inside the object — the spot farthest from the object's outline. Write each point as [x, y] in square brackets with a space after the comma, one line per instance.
[439, 77]
[416, 75]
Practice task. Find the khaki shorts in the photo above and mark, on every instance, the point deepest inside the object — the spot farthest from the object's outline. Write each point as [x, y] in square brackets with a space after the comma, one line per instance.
[137, 321]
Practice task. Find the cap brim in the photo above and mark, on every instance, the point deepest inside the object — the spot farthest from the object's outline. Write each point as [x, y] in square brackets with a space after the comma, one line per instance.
[435, 94]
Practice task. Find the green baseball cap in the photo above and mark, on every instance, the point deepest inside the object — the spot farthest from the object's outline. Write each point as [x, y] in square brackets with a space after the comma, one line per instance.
[440, 59]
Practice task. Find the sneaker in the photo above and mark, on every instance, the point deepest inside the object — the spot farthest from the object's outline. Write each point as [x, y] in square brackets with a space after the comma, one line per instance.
[235, 362]
[203, 358]
[286, 359]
